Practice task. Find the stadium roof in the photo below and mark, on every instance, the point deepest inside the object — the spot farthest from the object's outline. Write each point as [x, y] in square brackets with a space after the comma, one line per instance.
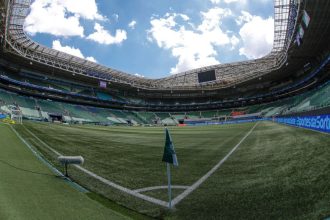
[17, 42]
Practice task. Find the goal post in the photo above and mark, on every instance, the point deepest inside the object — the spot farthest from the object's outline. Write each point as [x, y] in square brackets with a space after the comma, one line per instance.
[16, 115]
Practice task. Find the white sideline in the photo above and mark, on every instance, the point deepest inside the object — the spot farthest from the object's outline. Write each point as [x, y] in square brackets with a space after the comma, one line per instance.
[107, 182]
[50, 166]
[208, 174]
[46, 145]
[146, 189]
[34, 152]
[135, 193]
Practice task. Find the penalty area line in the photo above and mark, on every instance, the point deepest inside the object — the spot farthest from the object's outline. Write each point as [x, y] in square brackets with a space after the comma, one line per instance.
[194, 186]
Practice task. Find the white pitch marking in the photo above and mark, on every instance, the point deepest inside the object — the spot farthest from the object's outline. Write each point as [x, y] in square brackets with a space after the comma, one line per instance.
[35, 152]
[108, 182]
[146, 189]
[46, 145]
[123, 189]
[208, 174]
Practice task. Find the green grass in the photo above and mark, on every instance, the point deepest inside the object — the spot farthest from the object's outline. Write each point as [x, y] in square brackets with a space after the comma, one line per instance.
[163, 193]
[278, 172]
[29, 190]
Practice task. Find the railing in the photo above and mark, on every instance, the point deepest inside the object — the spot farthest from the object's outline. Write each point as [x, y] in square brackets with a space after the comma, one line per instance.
[288, 88]
[18, 42]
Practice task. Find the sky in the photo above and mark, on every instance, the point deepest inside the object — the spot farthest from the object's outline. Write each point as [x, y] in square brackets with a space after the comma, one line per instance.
[154, 38]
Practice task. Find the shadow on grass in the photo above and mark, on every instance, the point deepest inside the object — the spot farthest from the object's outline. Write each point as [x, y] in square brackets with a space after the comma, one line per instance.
[118, 208]
[27, 171]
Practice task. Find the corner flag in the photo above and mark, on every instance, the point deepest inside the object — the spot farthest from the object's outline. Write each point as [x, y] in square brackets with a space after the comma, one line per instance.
[169, 155]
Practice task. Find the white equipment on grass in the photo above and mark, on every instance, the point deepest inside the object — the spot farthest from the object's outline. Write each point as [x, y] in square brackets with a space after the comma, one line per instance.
[67, 160]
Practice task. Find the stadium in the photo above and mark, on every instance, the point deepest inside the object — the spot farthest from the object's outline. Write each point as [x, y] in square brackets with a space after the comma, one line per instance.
[251, 137]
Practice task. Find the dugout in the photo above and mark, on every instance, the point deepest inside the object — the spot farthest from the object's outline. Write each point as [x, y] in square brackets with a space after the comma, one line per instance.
[54, 117]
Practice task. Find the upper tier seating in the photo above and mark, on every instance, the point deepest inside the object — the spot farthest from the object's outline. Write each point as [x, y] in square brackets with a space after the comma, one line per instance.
[39, 108]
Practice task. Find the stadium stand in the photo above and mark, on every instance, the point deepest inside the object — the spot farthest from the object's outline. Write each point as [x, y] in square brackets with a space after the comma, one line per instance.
[103, 96]
[148, 117]
[131, 116]
[50, 106]
[6, 97]
[194, 114]
[292, 78]
[311, 100]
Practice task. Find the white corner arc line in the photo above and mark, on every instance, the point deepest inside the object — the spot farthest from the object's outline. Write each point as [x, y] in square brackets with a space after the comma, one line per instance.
[108, 182]
[123, 189]
[210, 172]
[146, 189]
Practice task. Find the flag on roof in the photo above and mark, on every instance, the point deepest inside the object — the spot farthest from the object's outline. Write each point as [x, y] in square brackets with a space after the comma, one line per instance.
[169, 155]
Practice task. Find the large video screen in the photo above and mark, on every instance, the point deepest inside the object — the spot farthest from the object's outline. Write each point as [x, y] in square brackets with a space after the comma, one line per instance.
[206, 76]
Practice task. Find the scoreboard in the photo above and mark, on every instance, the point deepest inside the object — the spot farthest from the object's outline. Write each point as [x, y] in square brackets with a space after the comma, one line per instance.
[206, 76]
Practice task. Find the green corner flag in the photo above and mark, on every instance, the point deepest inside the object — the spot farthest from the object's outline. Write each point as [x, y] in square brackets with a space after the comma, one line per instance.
[169, 155]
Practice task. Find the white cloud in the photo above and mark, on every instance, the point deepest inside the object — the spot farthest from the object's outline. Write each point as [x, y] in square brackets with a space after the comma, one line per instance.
[71, 50]
[103, 36]
[194, 47]
[257, 35]
[215, 1]
[228, 1]
[115, 17]
[132, 24]
[234, 41]
[50, 17]
[231, 1]
[60, 17]
[184, 17]
[66, 49]
[85, 8]
[138, 75]
[92, 59]
[266, 1]
[245, 17]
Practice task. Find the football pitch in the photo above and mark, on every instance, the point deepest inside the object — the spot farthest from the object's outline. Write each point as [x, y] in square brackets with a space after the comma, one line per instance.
[269, 171]
[30, 190]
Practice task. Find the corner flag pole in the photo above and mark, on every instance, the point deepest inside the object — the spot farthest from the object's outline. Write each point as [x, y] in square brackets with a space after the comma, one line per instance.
[169, 157]
[169, 185]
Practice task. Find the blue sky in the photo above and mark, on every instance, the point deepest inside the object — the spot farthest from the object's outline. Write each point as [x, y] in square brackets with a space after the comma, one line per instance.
[154, 38]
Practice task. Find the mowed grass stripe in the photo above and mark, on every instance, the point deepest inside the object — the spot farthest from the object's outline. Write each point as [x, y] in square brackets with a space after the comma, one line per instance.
[127, 158]
[279, 172]
[93, 175]
[136, 163]
[211, 171]
[29, 190]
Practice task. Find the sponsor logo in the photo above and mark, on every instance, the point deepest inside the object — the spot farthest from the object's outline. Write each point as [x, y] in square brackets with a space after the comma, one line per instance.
[320, 123]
